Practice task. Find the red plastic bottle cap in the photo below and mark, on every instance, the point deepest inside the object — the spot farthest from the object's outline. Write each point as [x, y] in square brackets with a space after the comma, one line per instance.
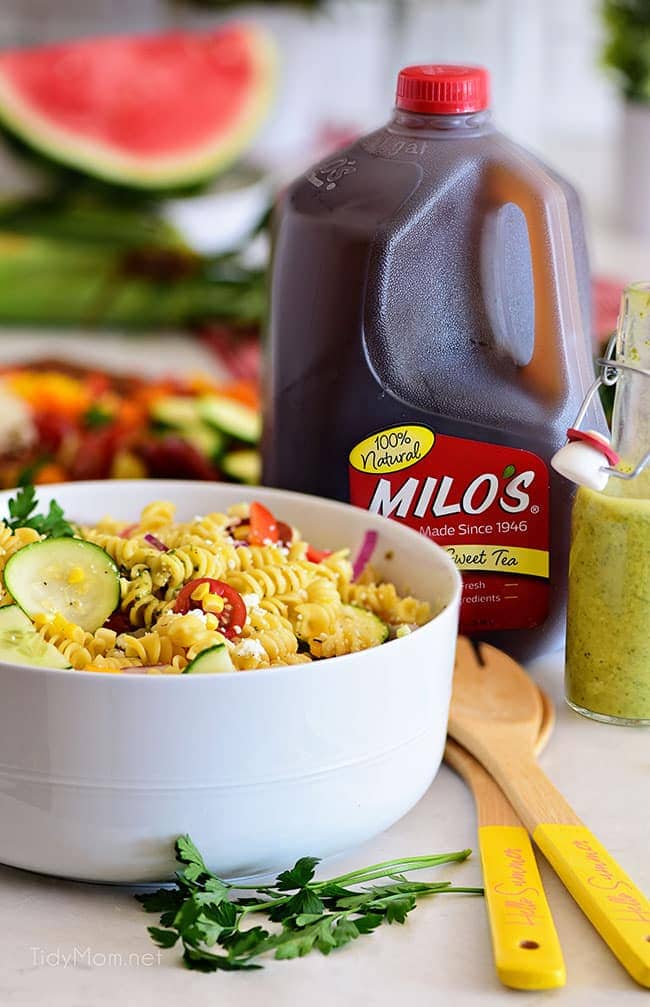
[437, 89]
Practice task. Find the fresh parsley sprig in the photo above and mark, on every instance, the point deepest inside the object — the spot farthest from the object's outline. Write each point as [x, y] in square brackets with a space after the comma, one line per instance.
[21, 515]
[202, 913]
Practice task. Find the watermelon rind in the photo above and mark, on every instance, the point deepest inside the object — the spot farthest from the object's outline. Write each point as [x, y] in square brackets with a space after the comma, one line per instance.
[162, 172]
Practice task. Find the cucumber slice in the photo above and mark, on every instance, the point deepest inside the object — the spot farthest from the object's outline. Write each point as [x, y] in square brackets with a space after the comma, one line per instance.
[66, 575]
[175, 411]
[231, 417]
[207, 440]
[376, 630]
[212, 661]
[21, 644]
[243, 466]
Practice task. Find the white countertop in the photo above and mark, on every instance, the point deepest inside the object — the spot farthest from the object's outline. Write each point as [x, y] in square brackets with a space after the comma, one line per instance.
[442, 955]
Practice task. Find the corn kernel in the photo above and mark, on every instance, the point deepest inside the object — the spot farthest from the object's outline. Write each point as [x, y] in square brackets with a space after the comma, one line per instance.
[213, 603]
[76, 575]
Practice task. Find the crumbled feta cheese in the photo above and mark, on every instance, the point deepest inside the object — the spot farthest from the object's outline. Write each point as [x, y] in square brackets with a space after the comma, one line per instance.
[251, 600]
[17, 428]
[203, 616]
[250, 648]
[231, 564]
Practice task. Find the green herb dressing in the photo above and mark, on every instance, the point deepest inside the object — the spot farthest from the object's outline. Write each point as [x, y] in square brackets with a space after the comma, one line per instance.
[608, 630]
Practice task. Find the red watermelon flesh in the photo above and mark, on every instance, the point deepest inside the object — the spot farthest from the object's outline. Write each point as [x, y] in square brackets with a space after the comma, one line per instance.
[152, 111]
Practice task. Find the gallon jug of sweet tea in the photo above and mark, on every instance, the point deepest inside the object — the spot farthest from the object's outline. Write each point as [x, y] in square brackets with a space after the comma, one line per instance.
[429, 346]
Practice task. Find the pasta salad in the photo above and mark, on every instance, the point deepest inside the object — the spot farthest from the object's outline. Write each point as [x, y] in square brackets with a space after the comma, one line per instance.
[222, 592]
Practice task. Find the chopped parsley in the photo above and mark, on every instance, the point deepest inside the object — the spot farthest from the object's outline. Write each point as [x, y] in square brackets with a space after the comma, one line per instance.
[212, 925]
[21, 515]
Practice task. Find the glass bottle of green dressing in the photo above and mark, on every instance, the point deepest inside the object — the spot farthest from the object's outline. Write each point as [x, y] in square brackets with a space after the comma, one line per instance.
[608, 618]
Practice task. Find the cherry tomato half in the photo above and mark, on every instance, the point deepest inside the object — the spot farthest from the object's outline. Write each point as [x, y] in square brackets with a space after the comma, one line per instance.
[285, 533]
[233, 616]
[264, 527]
[317, 555]
[242, 532]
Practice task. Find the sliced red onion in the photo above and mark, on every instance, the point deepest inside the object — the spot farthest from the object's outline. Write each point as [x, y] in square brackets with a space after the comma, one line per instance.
[156, 543]
[130, 528]
[364, 555]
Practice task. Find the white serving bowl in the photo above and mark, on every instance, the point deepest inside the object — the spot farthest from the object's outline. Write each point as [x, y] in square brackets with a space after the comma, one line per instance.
[100, 773]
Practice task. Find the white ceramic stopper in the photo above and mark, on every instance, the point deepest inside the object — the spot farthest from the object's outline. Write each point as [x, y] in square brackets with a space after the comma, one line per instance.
[582, 464]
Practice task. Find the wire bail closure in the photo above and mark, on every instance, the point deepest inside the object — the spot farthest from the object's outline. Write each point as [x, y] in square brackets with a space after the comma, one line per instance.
[609, 374]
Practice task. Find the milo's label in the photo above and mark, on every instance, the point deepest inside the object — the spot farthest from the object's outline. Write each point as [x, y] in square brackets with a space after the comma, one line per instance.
[485, 504]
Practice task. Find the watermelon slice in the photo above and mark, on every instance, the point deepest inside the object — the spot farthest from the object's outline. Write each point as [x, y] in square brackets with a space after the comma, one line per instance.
[154, 112]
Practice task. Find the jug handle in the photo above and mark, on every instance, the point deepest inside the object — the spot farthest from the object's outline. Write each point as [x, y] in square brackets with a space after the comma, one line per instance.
[527, 185]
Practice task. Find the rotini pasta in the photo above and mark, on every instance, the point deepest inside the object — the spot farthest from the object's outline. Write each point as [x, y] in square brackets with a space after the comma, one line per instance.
[78, 646]
[384, 601]
[218, 583]
[350, 634]
[319, 612]
[138, 598]
[12, 541]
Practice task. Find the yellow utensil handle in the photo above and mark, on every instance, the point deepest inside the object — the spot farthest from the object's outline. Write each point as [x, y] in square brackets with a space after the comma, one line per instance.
[527, 951]
[602, 889]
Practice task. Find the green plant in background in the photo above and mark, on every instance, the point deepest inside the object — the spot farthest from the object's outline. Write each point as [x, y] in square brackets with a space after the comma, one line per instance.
[72, 258]
[223, 4]
[627, 45]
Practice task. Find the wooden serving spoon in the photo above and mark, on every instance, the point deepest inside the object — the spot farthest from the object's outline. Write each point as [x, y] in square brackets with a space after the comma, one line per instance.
[525, 944]
[495, 714]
